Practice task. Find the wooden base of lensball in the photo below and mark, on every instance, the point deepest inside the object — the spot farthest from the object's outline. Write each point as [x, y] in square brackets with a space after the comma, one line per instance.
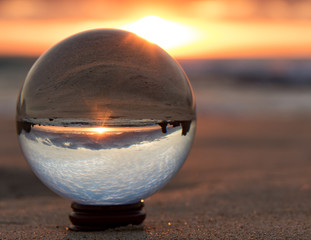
[98, 218]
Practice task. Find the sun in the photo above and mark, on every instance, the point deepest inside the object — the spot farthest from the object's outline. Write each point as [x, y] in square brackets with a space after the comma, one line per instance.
[99, 130]
[166, 34]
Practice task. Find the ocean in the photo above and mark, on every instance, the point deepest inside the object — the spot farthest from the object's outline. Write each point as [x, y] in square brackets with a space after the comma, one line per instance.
[231, 87]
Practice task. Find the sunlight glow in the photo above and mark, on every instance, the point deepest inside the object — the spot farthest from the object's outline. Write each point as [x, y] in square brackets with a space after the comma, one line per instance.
[99, 130]
[93, 130]
[166, 34]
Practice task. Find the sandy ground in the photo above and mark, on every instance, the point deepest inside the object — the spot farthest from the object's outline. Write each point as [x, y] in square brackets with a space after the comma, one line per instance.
[245, 178]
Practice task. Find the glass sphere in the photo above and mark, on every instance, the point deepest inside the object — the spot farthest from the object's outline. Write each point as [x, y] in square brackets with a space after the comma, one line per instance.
[105, 117]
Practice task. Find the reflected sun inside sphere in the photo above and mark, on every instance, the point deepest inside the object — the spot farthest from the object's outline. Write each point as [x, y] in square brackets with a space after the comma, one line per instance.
[128, 134]
[100, 130]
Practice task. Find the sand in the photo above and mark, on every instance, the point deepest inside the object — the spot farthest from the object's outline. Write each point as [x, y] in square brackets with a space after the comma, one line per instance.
[245, 178]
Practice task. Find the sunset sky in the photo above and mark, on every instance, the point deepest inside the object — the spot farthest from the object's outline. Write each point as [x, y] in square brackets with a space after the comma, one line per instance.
[186, 29]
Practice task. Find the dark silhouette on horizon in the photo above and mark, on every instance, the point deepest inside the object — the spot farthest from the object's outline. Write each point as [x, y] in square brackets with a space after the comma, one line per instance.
[185, 126]
[23, 125]
[163, 126]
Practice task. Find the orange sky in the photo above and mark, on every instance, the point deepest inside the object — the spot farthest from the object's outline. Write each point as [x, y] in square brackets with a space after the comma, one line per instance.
[217, 28]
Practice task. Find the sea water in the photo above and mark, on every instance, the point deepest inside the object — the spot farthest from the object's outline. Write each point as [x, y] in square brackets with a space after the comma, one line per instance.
[115, 164]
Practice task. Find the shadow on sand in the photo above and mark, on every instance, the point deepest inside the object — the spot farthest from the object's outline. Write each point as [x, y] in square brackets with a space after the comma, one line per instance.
[19, 183]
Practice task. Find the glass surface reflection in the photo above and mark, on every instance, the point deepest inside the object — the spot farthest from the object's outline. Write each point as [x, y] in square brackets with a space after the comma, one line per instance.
[105, 117]
[117, 164]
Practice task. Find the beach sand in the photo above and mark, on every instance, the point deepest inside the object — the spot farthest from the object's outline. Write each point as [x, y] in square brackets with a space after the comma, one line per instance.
[245, 178]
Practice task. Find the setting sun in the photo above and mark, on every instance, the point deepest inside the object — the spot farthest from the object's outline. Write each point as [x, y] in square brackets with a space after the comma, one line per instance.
[189, 29]
[99, 130]
[166, 34]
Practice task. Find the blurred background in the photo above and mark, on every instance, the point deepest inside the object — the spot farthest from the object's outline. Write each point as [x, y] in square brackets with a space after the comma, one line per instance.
[249, 62]
[249, 57]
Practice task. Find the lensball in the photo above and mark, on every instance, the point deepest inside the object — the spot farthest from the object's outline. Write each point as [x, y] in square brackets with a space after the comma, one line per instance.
[105, 117]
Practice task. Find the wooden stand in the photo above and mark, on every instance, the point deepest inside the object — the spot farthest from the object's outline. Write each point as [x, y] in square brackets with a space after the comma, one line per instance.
[98, 218]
